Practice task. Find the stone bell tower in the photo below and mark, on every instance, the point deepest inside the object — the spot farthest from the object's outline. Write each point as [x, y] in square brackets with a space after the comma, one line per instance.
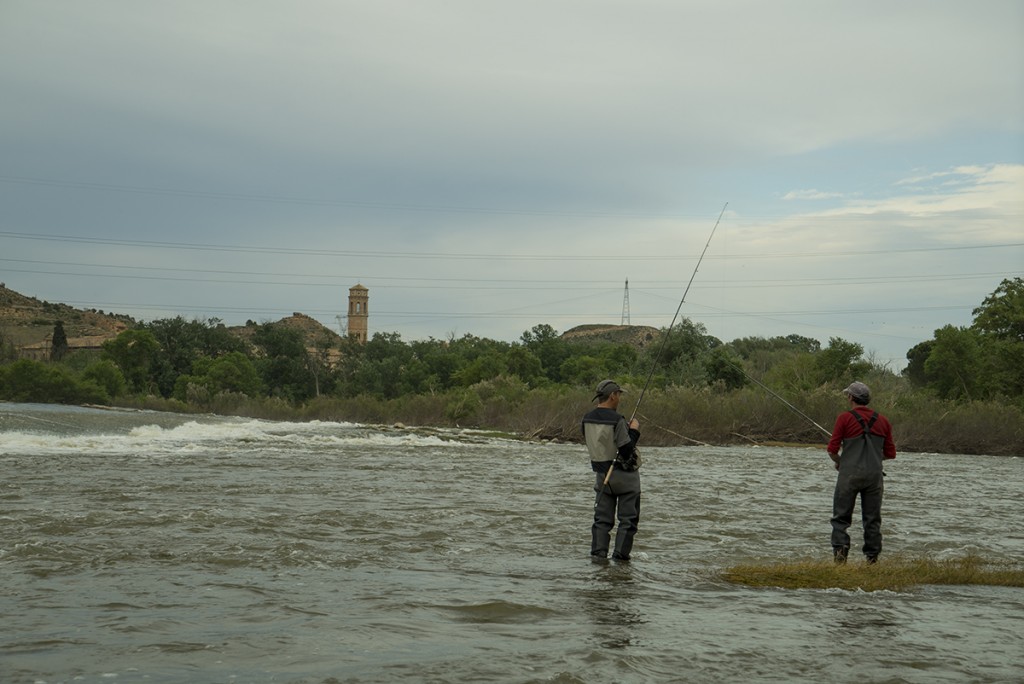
[358, 313]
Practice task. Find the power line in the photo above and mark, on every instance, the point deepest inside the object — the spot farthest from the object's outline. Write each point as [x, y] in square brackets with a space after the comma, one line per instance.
[481, 283]
[474, 256]
[313, 201]
[406, 206]
[525, 313]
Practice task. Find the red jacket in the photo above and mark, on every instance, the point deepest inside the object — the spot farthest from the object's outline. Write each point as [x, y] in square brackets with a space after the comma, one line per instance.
[847, 426]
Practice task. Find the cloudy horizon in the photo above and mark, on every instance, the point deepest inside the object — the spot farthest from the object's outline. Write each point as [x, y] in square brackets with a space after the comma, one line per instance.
[485, 167]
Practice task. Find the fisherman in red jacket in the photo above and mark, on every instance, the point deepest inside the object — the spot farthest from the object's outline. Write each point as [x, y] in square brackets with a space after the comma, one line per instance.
[865, 438]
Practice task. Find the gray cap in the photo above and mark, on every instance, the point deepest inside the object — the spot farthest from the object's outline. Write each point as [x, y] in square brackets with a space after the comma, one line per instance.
[606, 387]
[859, 391]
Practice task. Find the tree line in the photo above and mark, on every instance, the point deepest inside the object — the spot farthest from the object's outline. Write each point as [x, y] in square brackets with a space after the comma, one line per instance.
[199, 365]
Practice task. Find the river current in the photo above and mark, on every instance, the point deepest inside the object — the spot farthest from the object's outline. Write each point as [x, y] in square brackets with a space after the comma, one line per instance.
[152, 547]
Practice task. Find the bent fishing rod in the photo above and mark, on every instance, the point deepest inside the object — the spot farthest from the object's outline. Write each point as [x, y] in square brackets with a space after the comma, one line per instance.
[664, 341]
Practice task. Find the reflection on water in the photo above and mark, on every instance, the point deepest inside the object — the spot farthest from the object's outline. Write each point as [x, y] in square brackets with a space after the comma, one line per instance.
[610, 601]
[857, 613]
[136, 545]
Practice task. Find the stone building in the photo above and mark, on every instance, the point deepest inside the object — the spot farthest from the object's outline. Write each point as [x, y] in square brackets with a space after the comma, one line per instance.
[358, 312]
[43, 351]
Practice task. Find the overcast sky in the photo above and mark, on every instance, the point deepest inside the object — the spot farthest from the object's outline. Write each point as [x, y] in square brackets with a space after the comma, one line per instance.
[485, 167]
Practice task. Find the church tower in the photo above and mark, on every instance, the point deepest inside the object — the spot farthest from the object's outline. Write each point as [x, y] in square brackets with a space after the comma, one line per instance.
[358, 313]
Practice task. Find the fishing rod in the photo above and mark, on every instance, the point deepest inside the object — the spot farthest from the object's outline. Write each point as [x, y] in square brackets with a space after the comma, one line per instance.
[664, 342]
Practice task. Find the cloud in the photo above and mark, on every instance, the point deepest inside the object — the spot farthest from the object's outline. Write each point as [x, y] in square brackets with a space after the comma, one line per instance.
[811, 195]
[994, 192]
[503, 164]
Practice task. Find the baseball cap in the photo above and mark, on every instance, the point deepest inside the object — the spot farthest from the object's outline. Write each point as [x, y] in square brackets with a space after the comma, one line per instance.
[858, 390]
[606, 387]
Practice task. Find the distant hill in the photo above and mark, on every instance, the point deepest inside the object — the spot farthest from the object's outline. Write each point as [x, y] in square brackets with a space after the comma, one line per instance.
[636, 335]
[312, 330]
[27, 323]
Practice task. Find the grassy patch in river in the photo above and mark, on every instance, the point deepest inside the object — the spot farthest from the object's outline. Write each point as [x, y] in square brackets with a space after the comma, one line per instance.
[894, 573]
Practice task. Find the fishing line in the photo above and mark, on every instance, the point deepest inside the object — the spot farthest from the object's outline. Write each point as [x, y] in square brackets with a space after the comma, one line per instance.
[771, 392]
[664, 342]
[11, 414]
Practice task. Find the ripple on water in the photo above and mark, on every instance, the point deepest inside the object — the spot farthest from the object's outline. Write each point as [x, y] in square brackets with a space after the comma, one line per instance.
[232, 550]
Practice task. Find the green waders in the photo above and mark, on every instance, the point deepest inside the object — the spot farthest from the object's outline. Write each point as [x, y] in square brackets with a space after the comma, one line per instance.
[860, 472]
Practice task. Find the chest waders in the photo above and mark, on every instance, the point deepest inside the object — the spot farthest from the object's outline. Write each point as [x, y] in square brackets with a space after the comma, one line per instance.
[860, 472]
[861, 461]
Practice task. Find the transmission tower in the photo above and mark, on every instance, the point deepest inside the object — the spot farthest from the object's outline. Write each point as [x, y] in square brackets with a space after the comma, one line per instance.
[625, 305]
[341, 324]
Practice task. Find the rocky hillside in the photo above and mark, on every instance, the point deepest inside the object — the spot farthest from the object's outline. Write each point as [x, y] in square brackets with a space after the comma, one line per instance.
[636, 335]
[27, 323]
[27, 320]
[311, 329]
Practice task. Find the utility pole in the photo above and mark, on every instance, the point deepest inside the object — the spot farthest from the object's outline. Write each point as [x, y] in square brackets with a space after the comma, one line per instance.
[625, 305]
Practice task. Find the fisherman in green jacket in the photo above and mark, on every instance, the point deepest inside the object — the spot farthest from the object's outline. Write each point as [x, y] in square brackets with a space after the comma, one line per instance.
[611, 442]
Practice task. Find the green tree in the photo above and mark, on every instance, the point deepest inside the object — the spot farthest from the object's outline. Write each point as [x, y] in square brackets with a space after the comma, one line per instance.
[232, 372]
[618, 360]
[747, 347]
[808, 345]
[840, 360]
[983, 361]
[484, 367]
[8, 352]
[794, 372]
[677, 355]
[32, 381]
[544, 342]
[725, 367]
[1001, 314]
[953, 364]
[320, 363]
[135, 353]
[1000, 319]
[282, 362]
[1001, 371]
[525, 365]
[582, 370]
[388, 368]
[182, 342]
[917, 356]
[107, 375]
[437, 363]
[58, 342]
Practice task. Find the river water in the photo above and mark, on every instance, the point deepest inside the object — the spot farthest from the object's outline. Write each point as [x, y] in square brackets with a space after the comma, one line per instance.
[152, 547]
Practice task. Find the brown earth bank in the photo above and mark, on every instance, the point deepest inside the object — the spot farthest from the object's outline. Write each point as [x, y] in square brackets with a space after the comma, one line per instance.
[668, 418]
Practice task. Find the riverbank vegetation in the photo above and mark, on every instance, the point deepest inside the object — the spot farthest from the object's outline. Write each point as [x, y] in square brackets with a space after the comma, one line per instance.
[961, 392]
[893, 574]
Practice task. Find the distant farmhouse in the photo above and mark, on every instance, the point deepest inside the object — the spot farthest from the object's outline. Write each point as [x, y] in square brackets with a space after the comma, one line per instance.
[42, 351]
